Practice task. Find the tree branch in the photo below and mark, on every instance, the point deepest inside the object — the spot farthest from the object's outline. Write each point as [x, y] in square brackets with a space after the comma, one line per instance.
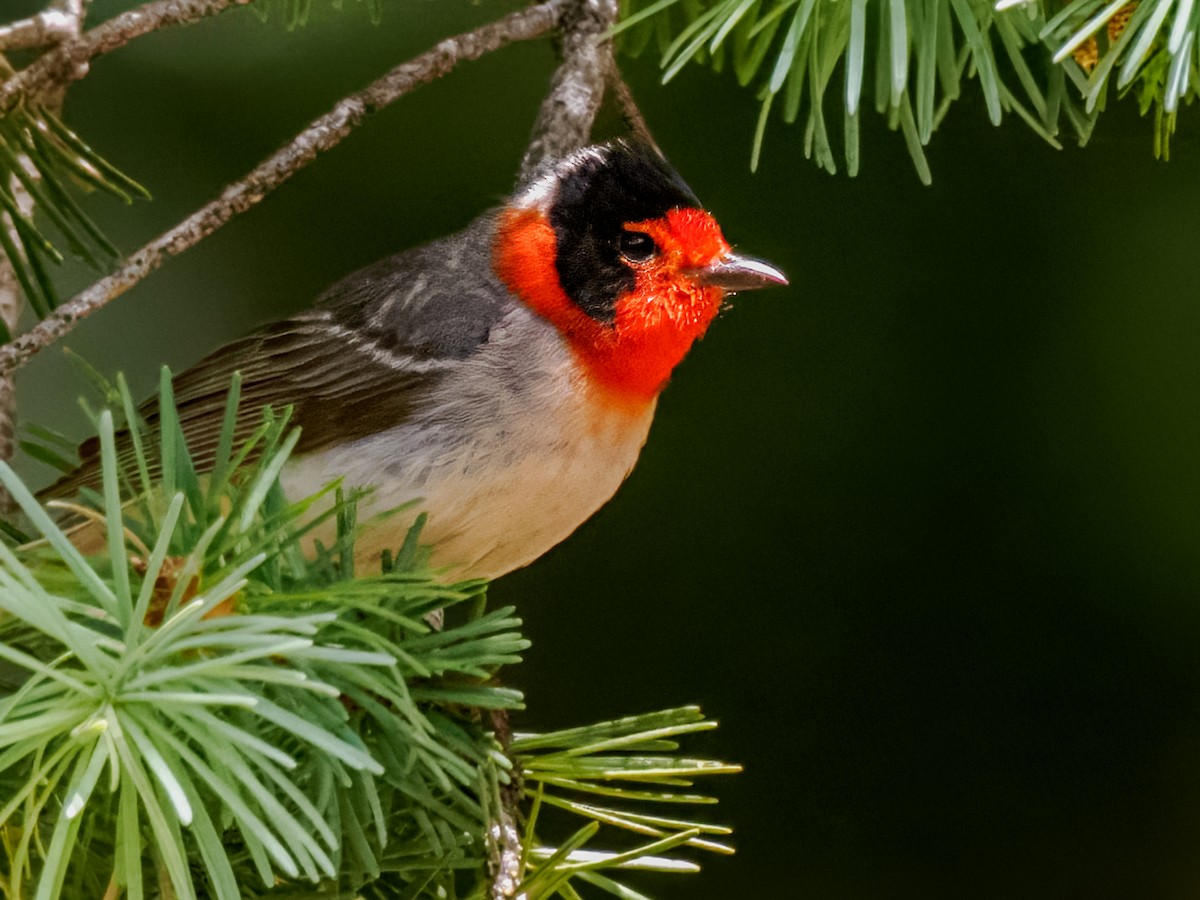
[68, 61]
[629, 108]
[50, 26]
[323, 134]
[11, 305]
[564, 122]
[10, 311]
[62, 20]
[503, 838]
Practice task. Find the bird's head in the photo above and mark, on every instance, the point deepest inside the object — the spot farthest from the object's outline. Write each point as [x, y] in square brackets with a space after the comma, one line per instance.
[614, 249]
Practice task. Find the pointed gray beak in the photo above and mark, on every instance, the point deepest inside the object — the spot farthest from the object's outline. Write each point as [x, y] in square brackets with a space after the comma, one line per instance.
[737, 273]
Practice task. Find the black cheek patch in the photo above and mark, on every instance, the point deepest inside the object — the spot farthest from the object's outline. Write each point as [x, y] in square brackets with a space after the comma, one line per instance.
[593, 275]
[627, 183]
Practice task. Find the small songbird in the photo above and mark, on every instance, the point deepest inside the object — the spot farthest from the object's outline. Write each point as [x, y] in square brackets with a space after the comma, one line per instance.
[502, 378]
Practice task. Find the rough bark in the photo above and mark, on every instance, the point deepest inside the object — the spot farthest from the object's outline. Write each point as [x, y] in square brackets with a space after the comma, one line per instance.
[62, 21]
[69, 60]
[564, 122]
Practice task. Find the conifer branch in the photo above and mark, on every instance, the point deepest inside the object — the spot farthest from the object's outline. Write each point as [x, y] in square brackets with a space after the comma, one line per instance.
[63, 20]
[564, 122]
[628, 106]
[323, 134]
[287, 706]
[1049, 63]
[50, 26]
[11, 304]
[69, 60]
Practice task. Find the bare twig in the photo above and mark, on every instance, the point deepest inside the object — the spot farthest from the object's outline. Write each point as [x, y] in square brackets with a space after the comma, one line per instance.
[68, 61]
[564, 122]
[504, 854]
[12, 301]
[62, 20]
[51, 26]
[11, 298]
[629, 108]
[503, 838]
[323, 134]
[10, 312]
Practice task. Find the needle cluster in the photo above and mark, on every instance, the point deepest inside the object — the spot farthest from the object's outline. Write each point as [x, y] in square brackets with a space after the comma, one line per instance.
[205, 710]
[822, 61]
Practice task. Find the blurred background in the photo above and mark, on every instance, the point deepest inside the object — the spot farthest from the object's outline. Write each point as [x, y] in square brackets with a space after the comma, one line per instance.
[921, 530]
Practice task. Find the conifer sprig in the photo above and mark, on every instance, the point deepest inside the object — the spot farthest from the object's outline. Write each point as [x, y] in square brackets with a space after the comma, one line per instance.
[1050, 65]
[211, 707]
[45, 161]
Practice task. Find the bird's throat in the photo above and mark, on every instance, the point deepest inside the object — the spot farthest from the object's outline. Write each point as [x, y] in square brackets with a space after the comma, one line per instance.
[655, 325]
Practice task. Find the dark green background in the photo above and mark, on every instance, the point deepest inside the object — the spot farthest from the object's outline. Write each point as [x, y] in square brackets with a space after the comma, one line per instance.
[921, 530]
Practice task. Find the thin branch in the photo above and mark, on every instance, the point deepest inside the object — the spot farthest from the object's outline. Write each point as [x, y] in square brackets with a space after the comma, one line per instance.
[11, 305]
[629, 108]
[10, 311]
[322, 135]
[503, 838]
[68, 61]
[61, 21]
[12, 301]
[51, 26]
[564, 122]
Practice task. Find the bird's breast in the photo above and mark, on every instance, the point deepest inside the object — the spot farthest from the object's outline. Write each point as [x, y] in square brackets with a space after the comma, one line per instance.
[509, 454]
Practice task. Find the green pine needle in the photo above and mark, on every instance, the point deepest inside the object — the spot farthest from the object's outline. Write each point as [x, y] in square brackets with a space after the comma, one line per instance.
[206, 711]
[1021, 52]
[39, 157]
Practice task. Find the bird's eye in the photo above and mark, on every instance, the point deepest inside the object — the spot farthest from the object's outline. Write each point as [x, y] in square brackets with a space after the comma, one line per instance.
[636, 246]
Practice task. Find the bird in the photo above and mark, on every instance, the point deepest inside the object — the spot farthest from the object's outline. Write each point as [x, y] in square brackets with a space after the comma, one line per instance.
[502, 379]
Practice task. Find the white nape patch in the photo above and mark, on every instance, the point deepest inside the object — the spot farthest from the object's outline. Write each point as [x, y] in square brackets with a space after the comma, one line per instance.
[543, 192]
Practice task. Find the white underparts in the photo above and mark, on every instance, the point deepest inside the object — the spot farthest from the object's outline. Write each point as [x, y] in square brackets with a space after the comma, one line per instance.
[512, 452]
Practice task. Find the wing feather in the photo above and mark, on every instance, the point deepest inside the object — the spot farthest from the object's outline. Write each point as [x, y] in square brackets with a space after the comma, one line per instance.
[338, 390]
[356, 364]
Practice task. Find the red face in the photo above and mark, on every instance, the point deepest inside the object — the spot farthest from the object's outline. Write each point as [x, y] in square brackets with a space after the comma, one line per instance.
[687, 241]
[655, 322]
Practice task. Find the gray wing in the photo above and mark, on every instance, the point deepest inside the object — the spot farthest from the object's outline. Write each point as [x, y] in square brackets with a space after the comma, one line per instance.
[359, 363]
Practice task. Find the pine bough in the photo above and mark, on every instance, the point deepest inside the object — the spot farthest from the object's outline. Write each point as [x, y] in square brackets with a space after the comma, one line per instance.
[204, 710]
[1050, 63]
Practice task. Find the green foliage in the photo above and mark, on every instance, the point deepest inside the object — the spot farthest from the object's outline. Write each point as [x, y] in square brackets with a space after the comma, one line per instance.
[44, 160]
[206, 709]
[600, 774]
[1050, 66]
